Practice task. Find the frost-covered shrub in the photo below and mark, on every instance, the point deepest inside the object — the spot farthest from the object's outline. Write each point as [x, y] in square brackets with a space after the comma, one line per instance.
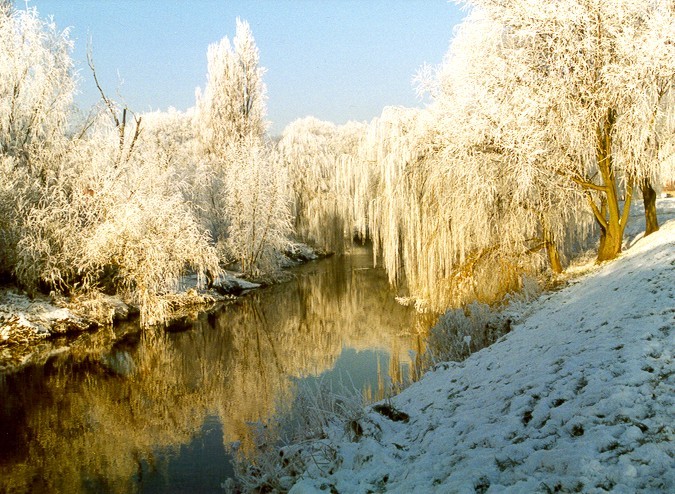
[147, 236]
[168, 139]
[36, 92]
[460, 332]
[84, 212]
[99, 223]
[283, 450]
[257, 209]
[148, 243]
[49, 250]
[14, 193]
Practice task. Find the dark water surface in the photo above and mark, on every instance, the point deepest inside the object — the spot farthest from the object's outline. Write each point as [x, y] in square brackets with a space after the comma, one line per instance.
[158, 411]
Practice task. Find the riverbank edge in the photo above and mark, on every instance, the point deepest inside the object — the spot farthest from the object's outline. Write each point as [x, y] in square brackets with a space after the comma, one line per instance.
[32, 329]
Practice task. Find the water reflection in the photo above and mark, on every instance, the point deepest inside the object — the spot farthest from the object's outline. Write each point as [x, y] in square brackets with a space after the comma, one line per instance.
[141, 413]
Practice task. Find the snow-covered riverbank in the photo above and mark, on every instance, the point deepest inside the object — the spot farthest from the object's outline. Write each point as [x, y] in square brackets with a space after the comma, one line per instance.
[30, 326]
[579, 397]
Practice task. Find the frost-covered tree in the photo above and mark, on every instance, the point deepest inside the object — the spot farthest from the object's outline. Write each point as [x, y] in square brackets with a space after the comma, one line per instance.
[308, 152]
[443, 214]
[243, 191]
[321, 159]
[591, 75]
[232, 106]
[36, 87]
[460, 209]
[169, 136]
[393, 209]
[36, 91]
[257, 209]
[486, 107]
[85, 211]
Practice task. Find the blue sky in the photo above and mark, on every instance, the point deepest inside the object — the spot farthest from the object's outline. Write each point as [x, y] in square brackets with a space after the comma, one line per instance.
[337, 60]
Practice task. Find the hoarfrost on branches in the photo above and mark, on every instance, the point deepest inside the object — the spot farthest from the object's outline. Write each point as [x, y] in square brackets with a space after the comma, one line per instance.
[244, 194]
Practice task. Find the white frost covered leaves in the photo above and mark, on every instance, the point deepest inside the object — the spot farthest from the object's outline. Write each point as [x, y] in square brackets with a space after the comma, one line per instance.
[577, 398]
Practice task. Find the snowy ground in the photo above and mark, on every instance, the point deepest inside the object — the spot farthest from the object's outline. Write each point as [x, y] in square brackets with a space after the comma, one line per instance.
[579, 397]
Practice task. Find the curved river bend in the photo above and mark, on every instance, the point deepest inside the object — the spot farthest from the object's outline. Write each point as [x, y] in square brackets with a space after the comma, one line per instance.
[157, 412]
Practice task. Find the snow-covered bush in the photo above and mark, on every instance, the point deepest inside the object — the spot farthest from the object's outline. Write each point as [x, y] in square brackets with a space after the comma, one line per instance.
[284, 449]
[36, 93]
[257, 209]
[15, 193]
[83, 212]
[460, 332]
[123, 228]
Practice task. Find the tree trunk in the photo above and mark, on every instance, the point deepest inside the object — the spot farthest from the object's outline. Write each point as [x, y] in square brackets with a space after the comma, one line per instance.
[611, 218]
[554, 257]
[649, 196]
[552, 250]
[611, 238]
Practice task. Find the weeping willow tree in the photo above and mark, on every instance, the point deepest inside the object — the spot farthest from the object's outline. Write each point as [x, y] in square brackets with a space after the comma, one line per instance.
[387, 148]
[544, 120]
[487, 106]
[593, 79]
[444, 213]
[322, 163]
[461, 207]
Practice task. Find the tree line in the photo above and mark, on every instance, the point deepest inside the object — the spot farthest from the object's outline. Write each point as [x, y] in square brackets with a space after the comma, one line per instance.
[544, 120]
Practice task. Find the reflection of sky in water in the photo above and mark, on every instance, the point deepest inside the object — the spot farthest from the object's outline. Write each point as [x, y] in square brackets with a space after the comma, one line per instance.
[156, 413]
[200, 466]
[356, 371]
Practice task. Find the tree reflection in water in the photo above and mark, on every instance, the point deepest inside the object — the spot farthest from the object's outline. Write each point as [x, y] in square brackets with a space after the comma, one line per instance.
[109, 414]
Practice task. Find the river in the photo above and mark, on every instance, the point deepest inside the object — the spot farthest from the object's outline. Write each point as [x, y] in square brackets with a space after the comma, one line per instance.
[157, 411]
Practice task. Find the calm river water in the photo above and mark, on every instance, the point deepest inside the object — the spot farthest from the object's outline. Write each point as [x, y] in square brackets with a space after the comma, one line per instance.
[158, 412]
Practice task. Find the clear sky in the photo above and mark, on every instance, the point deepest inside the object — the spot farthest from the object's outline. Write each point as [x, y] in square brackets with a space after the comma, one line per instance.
[337, 60]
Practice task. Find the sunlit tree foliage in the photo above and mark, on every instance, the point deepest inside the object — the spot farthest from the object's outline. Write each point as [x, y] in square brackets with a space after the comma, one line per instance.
[592, 78]
[232, 105]
[36, 87]
[243, 190]
[322, 163]
[84, 210]
[543, 120]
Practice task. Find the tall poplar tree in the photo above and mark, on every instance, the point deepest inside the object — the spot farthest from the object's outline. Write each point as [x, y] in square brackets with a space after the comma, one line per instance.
[247, 191]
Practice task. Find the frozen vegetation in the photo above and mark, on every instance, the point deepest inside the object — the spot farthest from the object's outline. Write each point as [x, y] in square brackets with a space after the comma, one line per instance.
[526, 153]
[125, 204]
[546, 124]
[577, 397]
